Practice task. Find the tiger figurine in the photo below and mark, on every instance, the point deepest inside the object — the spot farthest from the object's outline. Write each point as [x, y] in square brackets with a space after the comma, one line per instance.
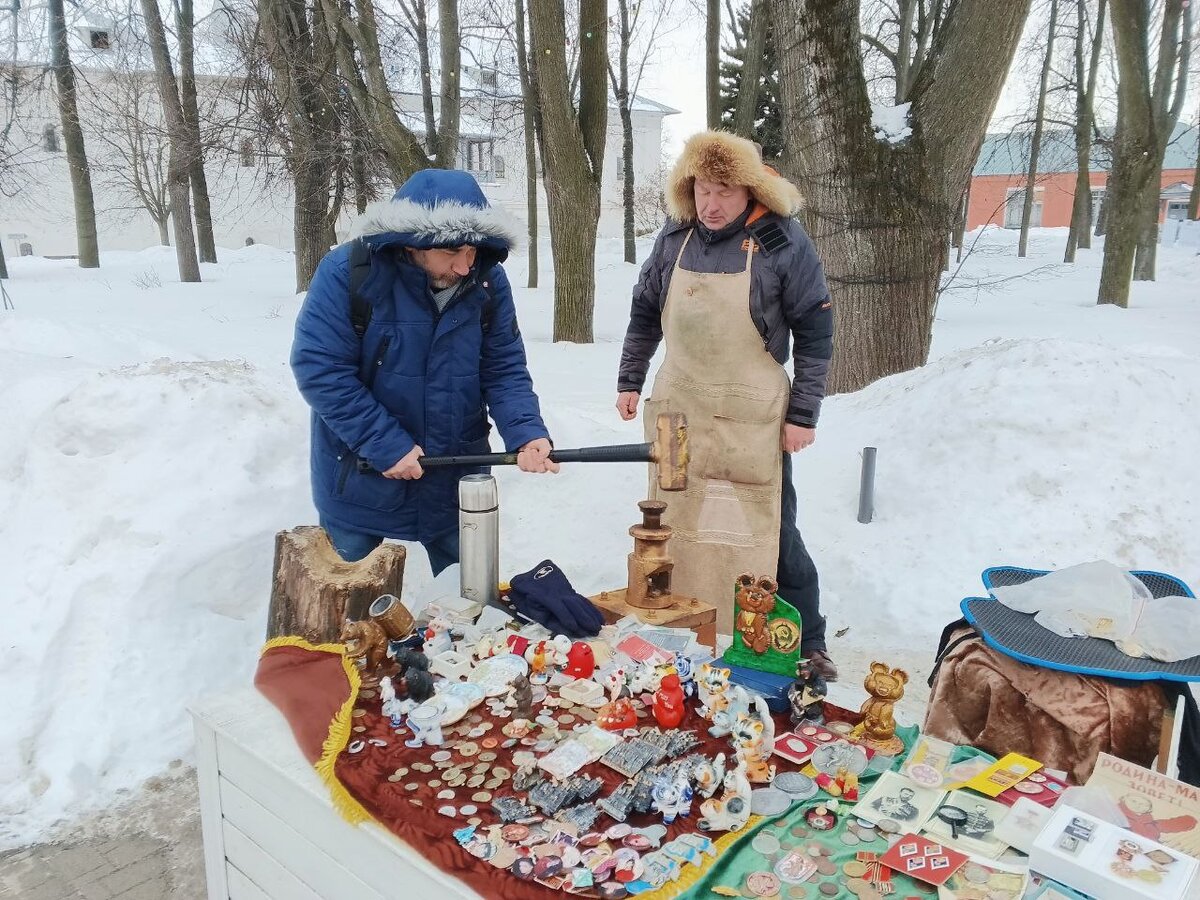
[753, 737]
[711, 689]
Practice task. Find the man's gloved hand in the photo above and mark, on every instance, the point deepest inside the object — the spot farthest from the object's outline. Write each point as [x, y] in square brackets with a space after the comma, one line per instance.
[544, 595]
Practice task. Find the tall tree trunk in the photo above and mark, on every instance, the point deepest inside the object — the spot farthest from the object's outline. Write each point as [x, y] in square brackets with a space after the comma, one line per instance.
[449, 98]
[178, 158]
[712, 63]
[904, 58]
[528, 108]
[881, 213]
[1194, 199]
[1036, 143]
[573, 153]
[201, 205]
[358, 174]
[164, 235]
[1174, 57]
[81, 178]
[960, 229]
[624, 102]
[745, 112]
[3, 264]
[421, 26]
[1080, 234]
[1135, 148]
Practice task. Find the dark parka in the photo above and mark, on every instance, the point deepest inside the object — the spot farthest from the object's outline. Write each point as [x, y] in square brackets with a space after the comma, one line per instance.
[434, 377]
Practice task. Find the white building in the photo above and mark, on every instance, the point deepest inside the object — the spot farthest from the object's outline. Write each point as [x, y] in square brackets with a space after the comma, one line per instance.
[248, 185]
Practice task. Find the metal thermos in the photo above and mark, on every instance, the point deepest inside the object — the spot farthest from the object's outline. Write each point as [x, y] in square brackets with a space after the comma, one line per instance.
[479, 538]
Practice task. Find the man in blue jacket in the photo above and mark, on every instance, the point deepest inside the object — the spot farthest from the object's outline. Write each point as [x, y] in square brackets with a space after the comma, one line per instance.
[440, 352]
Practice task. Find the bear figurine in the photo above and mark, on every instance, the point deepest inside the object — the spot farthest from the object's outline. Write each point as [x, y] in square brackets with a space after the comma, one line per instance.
[754, 601]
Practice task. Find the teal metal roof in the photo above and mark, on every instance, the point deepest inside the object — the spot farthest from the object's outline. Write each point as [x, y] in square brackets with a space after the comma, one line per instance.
[1008, 154]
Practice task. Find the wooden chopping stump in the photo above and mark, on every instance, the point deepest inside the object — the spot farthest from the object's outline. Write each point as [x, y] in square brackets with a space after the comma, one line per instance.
[314, 590]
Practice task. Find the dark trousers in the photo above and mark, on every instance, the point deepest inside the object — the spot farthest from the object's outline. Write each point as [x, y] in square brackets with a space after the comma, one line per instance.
[797, 572]
[354, 545]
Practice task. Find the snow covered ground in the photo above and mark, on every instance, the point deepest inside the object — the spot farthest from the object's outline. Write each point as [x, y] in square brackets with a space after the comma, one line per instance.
[153, 442]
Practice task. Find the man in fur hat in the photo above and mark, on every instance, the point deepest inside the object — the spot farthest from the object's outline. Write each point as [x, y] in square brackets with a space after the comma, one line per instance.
[732, 281]
[440, 352]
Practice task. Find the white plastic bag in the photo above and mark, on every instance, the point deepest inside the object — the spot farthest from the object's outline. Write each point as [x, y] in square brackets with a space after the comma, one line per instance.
[1096, 599]
[1168, 630]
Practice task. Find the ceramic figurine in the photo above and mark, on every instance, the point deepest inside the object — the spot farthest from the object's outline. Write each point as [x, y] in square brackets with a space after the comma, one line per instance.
[437, 636]
[672, 797]
[581, 661]
[640, 680]
[709, 775]
[710, 688]
[807, 695]
[878, 726]
[737, 701]
[687, 675]
[557, 650]
[754, 601]
[366, 644]
[731, 811]
[668, 703]
[617, 715]
[520, 698]
[490, 645]
[536, 657]
[408, 658]
[393, 707]
[426, 724]
[614, 683]
[661, 671]
[414, 684]
[753, 736]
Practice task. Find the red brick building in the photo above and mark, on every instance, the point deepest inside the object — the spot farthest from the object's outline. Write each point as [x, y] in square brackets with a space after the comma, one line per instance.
[998, 182]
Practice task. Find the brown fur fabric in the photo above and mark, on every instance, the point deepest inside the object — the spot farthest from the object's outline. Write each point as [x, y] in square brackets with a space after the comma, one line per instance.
[729, 159]
[1063, 720]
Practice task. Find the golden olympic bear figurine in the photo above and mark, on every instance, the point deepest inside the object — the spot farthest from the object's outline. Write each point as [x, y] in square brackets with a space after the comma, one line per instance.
[878, 726]
[754, 601]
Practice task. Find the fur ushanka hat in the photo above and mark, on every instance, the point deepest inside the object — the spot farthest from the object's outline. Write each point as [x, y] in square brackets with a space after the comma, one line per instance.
[728, 159]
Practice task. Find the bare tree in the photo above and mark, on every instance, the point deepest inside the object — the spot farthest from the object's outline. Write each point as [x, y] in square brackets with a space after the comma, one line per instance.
[1039, 121]
[1194, 199]
[903, 36]
[126, 119]
[1080, 235]
[640, 24]
[418, 20]
[185, 26]
[1138, 146]
[746, 110]
[529, 114]
[1174, 55]
[450, 96]
[179, 159]
[712, 62]
[301, 57]
[77, 161]
[573, 154]
[881, 211]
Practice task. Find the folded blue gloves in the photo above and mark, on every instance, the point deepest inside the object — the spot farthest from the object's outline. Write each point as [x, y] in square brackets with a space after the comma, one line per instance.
[544, 595]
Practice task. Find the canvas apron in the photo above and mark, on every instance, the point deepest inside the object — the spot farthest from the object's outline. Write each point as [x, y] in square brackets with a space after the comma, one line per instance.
[719, 374]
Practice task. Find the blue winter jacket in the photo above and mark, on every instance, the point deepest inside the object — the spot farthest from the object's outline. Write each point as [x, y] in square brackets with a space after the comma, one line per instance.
[434, 377]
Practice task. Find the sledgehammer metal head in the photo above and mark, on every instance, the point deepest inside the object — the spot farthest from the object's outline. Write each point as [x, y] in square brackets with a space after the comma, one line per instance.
[669, 451]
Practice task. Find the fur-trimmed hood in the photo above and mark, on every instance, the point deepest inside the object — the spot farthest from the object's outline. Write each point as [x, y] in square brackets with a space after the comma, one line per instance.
[439, 208]
[728, 159]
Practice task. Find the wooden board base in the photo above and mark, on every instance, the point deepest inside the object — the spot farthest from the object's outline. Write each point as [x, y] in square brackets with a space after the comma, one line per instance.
[684, 612]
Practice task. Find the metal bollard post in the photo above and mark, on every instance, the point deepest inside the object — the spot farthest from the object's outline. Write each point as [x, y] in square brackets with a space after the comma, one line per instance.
[866, 488]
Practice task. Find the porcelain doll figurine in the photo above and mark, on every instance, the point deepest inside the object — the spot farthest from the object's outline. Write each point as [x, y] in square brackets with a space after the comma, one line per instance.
[672, 797]
[392, 706]
[687, 675]
[711, 687]
[737, 701]
[520, 698]
[753, 737]
[709, 775]
[731, 811]
[437, 636]
[806, 695]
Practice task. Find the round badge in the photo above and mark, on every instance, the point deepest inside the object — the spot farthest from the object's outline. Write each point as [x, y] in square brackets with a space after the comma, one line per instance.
[618, 831]
[855, 869]
[1026, 788]
[514, 832]
[1038, 777]
[594, 839]
[785, 635]
[808, 730]
[548, 866]
[523, 867]
[888, 826]
[763, 884]
[613, 890]
[637, 842]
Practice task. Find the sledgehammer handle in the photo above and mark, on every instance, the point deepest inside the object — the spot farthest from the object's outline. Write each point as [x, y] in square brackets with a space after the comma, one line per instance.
[617, 453]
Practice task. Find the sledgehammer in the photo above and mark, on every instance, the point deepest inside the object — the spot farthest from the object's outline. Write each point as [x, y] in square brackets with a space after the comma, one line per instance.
[668, 451]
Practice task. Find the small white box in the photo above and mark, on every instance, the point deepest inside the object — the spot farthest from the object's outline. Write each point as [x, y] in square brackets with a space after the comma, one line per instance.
[451, 664]
[1108, 862]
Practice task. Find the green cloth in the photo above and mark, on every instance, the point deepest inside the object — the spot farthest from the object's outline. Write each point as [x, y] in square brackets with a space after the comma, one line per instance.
[742, 859]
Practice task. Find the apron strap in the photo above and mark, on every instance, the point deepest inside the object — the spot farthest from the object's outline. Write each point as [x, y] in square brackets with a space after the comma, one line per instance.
[682, 246]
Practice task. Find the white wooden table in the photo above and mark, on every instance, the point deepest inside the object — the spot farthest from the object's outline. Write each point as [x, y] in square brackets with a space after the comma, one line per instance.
[270, 830]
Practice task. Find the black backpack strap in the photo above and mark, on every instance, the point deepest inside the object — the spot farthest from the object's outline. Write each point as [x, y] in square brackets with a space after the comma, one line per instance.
[489, 305]
[360, 266]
